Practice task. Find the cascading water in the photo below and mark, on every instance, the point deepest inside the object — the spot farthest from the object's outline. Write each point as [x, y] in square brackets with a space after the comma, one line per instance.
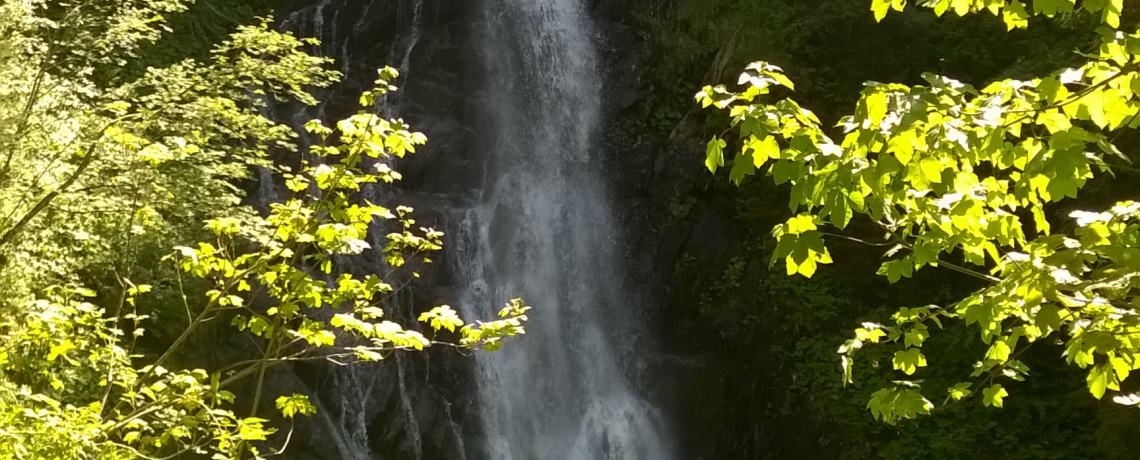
[545, 232]
[541, 228]
[345, 390]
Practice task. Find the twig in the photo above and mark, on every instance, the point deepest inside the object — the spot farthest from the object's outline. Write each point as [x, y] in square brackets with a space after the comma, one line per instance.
[857, 240]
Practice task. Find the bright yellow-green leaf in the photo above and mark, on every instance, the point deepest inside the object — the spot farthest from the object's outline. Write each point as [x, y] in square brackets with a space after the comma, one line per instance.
[715, 154]
[902, 145]
[880, 8]
[931, 170]
[743, 166]
[909, 360]
[993, 395]
[960, 390]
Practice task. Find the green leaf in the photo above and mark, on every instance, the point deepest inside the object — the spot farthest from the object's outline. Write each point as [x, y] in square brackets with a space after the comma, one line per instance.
[916, 336]
[442, 317]
[880, 8]
[940, 7]
[715, 154]
[1048, 318]
[800, 224]
[1054, 121]
[858, 200]
[961, 7]
[838, 210]
[783, 80]
[258, 325]
[993, 395]
[60, 349]
[1099, 380]
[806, 268]
[751, 127]
[784, 171]
[765, 150]
[1111, 13]
[931, 170]
[1040, 221]
[960, 390]
[902, 145]
[1049, 88]
[742, 166]
[1015, 16]
[1091, 107]
[1052, 7]
[876, 104]
[295, 404]
[909, 360]
[999, 352]
[1109, 148]
[895, 270]
[848, 366]
[893, 404]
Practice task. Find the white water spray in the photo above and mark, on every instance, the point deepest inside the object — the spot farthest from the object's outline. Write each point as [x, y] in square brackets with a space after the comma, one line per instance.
[545, 232]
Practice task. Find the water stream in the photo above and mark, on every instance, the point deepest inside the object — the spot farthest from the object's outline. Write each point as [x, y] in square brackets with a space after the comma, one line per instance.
[545, 232]
[541, 228]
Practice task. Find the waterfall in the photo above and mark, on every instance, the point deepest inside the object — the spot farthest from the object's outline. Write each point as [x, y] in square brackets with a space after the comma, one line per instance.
[544, 231]
[401, 54]
[541, 227]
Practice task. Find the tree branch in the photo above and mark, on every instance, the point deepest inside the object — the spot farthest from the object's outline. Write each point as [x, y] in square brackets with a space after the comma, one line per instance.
[88, 156]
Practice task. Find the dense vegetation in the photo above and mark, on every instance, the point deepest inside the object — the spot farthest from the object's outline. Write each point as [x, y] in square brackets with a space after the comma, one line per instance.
[989, 218]
[125, 213]
[829, 49]
[1002, 177]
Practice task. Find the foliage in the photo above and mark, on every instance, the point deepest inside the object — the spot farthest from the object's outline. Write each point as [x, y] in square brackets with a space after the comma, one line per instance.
[192, 34]
[950, 173]
[830, 46]
[728, 282]
[1050, 416]
[95, 176]
[99, 175]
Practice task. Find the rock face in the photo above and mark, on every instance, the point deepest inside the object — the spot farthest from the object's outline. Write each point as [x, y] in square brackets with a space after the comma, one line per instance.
[633, 373]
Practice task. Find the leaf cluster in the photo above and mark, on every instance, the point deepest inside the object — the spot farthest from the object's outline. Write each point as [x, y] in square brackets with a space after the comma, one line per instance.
[948, 172]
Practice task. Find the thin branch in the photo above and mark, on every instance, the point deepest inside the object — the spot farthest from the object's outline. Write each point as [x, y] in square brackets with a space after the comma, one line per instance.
[958, 268]
[146, 457]
[47, 199]
[270, 350]
[967, 271]
[1077, 96]
[857, 240]
[288, 437]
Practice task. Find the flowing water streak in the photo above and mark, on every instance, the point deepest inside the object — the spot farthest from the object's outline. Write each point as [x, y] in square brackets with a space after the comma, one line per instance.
[545, 232]
[340, 405]
[411, 30]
